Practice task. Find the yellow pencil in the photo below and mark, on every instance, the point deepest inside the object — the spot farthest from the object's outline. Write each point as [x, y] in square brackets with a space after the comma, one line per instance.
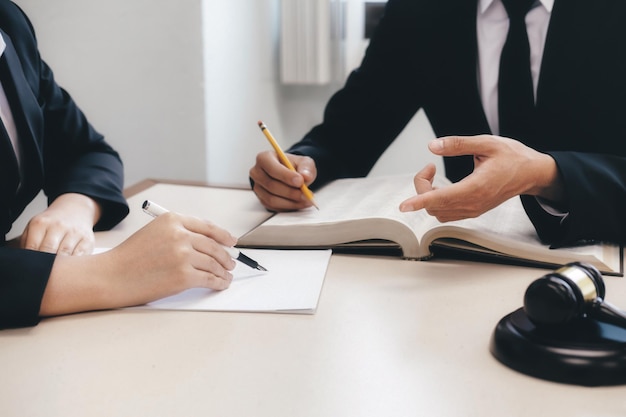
[283, 158]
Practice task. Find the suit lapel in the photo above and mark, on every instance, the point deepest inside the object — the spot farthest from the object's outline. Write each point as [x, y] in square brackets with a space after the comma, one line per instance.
[471, 68]
[561, 35]
[582, 44]
[9, 172]
[25, 109]
[457, 71]
[576, 28]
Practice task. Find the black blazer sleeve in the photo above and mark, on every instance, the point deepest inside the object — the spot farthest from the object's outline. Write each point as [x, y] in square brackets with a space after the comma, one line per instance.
[23, 278]
[422, 56]
[581, 104]
[76, 157]
[378, 100]
[595, 185]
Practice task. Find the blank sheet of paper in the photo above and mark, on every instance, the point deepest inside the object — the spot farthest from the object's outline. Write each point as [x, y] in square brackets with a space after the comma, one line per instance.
[292, 284]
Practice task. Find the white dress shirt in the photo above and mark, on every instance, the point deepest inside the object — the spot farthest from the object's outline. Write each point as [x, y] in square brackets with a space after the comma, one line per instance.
[492, 25]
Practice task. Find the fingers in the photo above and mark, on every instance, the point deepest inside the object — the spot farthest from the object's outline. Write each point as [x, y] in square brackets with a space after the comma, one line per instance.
[423, 180]
[212, 263]
[198, 251]
[52, 237]
[65, 227]
[463, 145]
[208, 229]
[76, 245]
[207, 241]
[465, 199]
[442, 204]
[503, 168]
[276, 186]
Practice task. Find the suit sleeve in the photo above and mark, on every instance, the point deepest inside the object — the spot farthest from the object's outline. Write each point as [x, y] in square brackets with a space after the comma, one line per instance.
[23, 279]
[595, 185]
[76, 156]
[378, 100]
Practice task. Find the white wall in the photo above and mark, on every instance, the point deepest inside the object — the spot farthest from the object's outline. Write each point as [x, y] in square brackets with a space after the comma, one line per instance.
[137, 69]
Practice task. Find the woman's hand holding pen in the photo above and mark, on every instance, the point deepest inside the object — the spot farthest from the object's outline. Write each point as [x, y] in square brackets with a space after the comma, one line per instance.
[176, 252]
[276, 186]
[170, 254]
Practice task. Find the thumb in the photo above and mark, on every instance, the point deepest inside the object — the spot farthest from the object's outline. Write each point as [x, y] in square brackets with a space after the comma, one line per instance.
[305, 166]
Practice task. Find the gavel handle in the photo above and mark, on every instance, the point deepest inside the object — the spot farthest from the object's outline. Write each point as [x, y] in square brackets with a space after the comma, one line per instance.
[606, 312]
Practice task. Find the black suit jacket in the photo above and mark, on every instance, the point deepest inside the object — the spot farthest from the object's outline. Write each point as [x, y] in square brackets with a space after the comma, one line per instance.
[62, 153]
[424, 55]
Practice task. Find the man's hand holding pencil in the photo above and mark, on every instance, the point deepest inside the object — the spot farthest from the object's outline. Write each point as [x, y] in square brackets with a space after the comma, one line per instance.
[280, 180]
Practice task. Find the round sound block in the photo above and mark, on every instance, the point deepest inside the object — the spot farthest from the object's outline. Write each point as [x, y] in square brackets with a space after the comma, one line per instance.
[582, 352]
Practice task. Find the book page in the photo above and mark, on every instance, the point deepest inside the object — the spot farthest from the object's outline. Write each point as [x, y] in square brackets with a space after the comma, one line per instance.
[508, 220]
[354, 198]
[508, 230]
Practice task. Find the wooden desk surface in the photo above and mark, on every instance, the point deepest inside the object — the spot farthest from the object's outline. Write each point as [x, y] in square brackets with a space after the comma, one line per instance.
[390, 338]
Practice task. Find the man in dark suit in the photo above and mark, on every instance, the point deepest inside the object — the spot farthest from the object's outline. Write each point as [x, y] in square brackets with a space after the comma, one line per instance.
[567, 158]
[47, 143]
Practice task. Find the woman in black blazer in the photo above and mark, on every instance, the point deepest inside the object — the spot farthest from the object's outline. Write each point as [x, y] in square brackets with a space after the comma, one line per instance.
[49, 145]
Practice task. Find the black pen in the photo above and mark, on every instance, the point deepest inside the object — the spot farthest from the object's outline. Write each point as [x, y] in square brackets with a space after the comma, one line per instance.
[155, 210]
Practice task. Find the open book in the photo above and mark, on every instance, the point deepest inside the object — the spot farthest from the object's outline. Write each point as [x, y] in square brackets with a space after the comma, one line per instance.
[363, 212]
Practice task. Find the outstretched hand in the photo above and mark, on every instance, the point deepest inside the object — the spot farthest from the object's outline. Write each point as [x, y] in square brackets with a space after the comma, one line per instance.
[503, 168]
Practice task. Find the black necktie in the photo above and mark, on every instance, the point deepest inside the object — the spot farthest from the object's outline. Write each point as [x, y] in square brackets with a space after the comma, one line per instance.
[516, 103]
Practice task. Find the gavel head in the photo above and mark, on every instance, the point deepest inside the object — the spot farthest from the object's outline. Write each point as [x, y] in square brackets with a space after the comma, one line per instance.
[562, 295]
